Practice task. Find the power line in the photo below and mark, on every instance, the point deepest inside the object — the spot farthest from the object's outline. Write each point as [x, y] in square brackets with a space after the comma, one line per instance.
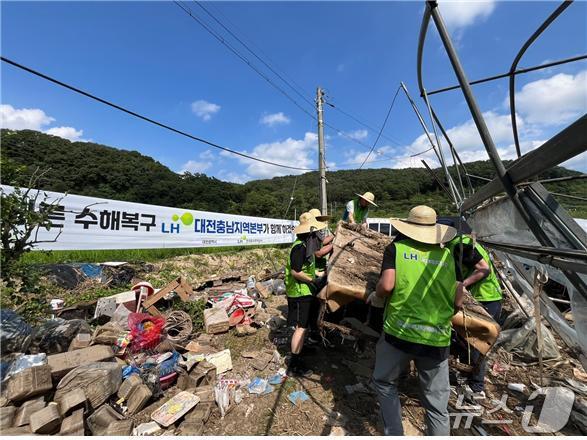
[364, 124]
[382, 127]
[145, 118]
[218, 37]
[385, 160]
[253, 53]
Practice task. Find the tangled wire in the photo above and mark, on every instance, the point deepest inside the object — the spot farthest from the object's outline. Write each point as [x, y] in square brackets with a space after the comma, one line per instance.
[178, 326]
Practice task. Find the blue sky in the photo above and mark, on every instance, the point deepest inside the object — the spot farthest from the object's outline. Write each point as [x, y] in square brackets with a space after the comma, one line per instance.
[153, 58]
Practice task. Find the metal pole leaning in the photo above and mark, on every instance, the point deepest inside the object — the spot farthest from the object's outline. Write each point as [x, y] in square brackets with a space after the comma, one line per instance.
[454, 191]
[564, 5]
[503, 176]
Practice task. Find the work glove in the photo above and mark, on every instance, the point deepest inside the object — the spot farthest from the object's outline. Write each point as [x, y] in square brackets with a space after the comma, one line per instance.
[375, 301]
[318, 284]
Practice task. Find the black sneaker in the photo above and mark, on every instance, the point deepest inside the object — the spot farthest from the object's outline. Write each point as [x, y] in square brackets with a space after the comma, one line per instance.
[301, 370]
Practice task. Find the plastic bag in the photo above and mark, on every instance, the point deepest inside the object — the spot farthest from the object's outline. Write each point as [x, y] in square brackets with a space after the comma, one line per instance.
[15, 333]
[55, 335]
[25, 361]
[222, 398]
[145, 331]
[278, 287]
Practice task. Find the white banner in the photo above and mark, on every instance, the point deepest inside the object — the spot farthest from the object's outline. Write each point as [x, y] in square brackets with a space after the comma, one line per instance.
[90, 223]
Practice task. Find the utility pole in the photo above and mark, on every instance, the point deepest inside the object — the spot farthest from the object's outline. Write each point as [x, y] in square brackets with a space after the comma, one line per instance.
[321, 162]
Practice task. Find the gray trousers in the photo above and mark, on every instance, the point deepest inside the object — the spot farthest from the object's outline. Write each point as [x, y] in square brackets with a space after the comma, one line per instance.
[390, 363]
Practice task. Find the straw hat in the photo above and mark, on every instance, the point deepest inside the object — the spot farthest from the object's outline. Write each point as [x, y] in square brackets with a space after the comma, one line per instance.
[318, 215]
[368, 196]
[421, 226]
[308, 223]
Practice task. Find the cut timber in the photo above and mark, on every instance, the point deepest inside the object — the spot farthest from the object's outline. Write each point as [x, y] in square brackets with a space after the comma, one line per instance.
[179, 286]
[355, 264]
[475, 325]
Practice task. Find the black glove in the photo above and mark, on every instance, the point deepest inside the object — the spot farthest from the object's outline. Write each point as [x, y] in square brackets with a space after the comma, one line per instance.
[318, 284]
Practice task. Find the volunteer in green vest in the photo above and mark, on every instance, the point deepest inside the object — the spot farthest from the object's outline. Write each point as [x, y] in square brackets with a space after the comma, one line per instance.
[357, 210]
[418, 288]
[481, 280]
[301, 285]
[325, 237]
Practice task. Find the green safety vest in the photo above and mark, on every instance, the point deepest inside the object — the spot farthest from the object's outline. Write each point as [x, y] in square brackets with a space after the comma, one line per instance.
[422, 302]
[293, 288]
[488, 289]
[360, 213]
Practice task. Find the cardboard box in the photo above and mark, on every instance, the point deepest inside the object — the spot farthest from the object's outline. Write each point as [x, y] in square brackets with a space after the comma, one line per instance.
[23, 414]
[63, 363]
[120, 428]
[28, 383]
[47, 420]
[7, 416]
[102, 418]
[129, 385]
[216, 320]
[99, 381]
[74, 424]
[20, 430]
[71, 401]
[138, 398]
[82, 340]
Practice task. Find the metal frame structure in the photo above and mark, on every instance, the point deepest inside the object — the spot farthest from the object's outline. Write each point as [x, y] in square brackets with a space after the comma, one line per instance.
[565, 145]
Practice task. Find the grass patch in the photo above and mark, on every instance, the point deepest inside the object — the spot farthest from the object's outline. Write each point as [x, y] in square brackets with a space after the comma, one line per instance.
[130, 255]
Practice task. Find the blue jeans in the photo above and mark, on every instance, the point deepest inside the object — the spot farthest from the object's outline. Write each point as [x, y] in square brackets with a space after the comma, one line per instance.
[477, 379]
[390, 363]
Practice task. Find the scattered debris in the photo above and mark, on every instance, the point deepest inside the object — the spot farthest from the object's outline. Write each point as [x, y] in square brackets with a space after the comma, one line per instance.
[144, 429]
[298, 397]
[175, 408]
[46, 420]
[62, 363]
[221, 360]
[28, 383]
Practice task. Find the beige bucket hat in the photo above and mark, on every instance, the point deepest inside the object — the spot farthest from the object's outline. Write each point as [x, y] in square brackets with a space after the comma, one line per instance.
[421, 226]
[308, 223]
[368, 196]
[318, 215]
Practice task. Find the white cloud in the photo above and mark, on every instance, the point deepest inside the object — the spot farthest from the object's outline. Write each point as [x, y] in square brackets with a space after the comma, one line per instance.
[292, 152]
[466, 137]
[230, 176]
[67, 133]
[458, 14]
[35, 119]
[578, 163]
[200, 165]
[553, 101]
[207, 155]
[195, 166]
[274, 119]
[358, 135]
[23, 118]
[204, 109]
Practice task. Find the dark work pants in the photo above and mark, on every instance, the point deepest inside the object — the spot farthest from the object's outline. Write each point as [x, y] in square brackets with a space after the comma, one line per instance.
[477, 379]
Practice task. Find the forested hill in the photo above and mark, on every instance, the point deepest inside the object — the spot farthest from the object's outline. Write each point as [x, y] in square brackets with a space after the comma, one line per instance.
[91, 169]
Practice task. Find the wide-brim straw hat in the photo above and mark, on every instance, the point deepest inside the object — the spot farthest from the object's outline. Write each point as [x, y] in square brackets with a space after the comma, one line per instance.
[421, 226]
[368, 196]
[318, 215]
[308, 223]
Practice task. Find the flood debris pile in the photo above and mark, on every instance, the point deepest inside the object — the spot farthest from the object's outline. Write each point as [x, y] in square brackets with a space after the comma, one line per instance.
[140, 365]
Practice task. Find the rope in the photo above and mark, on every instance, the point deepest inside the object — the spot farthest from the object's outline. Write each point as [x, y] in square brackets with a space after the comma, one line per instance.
[178, 325]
